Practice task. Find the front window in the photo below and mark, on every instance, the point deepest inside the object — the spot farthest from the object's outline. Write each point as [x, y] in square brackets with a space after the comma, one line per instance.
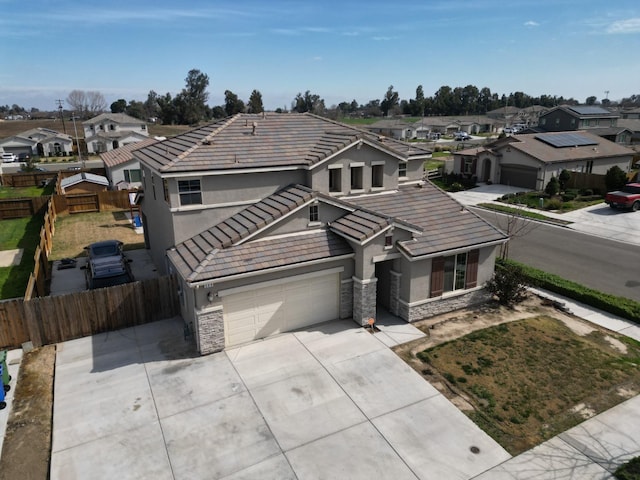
[356, 178]
[468, 165]
[455, 268]
[402, 169]
[377, 175]
[189, 192]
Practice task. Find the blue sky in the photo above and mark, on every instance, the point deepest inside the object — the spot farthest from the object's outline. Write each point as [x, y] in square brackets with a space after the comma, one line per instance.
[340, 50]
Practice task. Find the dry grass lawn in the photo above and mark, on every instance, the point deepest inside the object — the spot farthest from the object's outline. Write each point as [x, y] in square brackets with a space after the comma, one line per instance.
[74, 232]
[528, 375]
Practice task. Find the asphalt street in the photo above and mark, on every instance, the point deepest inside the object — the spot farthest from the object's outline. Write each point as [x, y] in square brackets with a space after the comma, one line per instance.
[594, 261]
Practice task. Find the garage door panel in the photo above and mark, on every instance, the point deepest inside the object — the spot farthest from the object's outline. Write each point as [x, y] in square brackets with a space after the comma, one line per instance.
[265, 311]
[518, 176]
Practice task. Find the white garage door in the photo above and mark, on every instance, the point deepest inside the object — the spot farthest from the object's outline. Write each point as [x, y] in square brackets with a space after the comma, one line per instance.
[266, 310]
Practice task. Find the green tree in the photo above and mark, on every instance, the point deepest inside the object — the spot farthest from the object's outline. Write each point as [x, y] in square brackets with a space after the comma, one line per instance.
[136, 110]
[390, 100]
[553, 187]
[167, 109]
[232, 104]
[615, 178]
[591, 100]
[564, 178]
[119, 106]
[191, 102]
[308, 103]
[151, 107]
[255, 102]
[417, 105]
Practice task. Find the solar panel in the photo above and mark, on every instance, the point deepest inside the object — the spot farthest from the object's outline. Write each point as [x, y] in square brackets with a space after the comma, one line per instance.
[560, 140]
[589, 110]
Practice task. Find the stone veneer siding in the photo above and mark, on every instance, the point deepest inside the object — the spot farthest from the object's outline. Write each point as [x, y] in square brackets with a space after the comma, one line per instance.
[346, 298]
[443, 305]
[210, 330]
[364, 300]
[394, 294]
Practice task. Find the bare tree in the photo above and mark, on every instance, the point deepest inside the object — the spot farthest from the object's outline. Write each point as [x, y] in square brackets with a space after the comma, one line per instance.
[86, 104]
[96, 103]
[514, 224]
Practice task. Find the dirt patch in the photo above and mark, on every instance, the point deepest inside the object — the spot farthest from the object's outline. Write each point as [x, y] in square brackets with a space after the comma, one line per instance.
[527, 374]
[27, 443]
[74, 232]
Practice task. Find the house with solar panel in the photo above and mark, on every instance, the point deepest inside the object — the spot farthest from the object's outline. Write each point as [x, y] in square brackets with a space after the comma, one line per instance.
[597, 120]
[276, 222]
[530, 160]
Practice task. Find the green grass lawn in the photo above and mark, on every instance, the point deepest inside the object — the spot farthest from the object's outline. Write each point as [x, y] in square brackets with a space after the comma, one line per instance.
[18, 233]
[22, 192]
[532, 379]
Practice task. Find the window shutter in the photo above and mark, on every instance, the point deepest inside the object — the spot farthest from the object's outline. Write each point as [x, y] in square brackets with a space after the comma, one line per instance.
[437, 276]
[474, 164]
[472, 269]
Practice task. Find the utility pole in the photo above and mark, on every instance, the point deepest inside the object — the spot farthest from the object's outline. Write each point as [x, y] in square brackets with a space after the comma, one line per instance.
[59, 102]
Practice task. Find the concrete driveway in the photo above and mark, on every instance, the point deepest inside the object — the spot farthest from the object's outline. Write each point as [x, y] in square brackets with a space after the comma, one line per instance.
[330, 402]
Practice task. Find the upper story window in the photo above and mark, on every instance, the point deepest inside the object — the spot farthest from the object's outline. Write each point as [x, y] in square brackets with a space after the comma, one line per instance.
[133, 175]
[402, 169]
[101, 127]
[388, 240]
[377, 176]
[356, 178]
[190, 192]
[112, 126]
[335, 179]
[143, 127]
[313, 213]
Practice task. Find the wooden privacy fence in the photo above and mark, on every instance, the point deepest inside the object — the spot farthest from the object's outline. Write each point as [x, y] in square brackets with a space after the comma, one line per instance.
[48, 320]
[37, 283]
[27, 179]
[588, 180]
[92, 202]
[22, 207]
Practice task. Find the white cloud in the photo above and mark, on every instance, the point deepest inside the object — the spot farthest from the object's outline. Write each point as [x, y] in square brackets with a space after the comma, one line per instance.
[631, 25]
[531, 23]
[383, 39]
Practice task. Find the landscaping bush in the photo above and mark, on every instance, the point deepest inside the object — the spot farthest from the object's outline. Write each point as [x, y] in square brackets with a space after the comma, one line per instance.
[615, 178]
[554, 203]
[507, 284]
[567, 197]
[553, 187]
[620, 306]
[586, 192]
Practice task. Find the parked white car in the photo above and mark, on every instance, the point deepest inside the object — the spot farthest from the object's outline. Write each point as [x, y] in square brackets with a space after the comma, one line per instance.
[9, 158]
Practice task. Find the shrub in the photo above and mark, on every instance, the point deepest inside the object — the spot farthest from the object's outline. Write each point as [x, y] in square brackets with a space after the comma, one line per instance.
[564, 178]
[553, 187]
[585, 192]
[507, 284]
[554, 203]
[567, 197]
[615, 178]
[456, 187]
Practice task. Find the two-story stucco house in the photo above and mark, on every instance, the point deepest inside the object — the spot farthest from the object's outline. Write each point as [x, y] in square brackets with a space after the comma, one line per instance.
[109, 131]
[275, 222]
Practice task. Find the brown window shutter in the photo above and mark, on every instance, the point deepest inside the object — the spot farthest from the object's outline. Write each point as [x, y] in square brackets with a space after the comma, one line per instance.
[437, 276]
[472, 269]
[474, 164]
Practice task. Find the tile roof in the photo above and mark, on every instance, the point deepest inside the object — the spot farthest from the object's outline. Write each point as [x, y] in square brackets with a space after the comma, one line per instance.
[528, 144]
[262, 140]
[447, 225]
[115, 118]
[267, 253]
[360, 225]
[194, 256]
[124, 154]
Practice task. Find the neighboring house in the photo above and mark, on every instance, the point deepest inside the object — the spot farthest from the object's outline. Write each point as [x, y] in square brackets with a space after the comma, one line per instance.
[123, 169]
[630, 113]
[84, 183]
[530, 160]
[632, 125]
[39, 141]
[109, 131]
[392, 128]
[596, 119]
[274, 222]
